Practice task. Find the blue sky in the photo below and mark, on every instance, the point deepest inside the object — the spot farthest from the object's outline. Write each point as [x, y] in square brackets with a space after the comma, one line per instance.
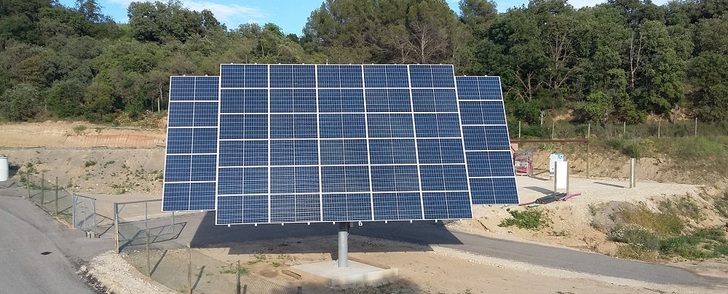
[290, 15]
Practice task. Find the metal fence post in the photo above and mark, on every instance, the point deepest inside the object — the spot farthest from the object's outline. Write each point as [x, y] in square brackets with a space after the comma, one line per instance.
[116, 227]
[56, 195]
[42, 189]
[73, 209]
[27, 184]
[93, 202]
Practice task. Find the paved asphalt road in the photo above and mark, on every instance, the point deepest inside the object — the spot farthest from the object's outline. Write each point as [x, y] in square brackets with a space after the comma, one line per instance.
[26, 233]
[204, 232]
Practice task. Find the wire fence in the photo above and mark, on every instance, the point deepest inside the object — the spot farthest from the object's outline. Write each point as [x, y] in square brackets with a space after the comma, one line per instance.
[84, 214]
[49, 196]
[189, 271]
[654, 129]
[139, 223]
[74, 210]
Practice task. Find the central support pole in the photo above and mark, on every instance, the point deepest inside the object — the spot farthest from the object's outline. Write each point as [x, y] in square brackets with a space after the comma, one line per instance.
[343, 244]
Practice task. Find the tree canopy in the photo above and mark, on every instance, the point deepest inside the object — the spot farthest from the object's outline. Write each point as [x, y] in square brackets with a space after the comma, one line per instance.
[622, 60]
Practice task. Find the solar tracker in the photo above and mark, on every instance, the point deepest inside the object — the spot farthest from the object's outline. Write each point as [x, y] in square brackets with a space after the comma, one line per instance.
[336, 143]
[191, 153]
[487, 148]
[333, 143]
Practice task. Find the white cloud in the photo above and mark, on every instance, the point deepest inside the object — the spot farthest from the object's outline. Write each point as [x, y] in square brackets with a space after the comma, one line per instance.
[226, 13]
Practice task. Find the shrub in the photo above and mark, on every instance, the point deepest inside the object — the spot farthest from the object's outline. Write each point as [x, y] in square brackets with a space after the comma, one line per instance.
[529, 219]
[635, 235]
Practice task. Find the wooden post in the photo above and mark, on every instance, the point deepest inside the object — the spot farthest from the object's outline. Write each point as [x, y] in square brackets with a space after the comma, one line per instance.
[624, 128]
[237, 272]
[696, 127]
[588, 136]
[519, 129]
[659, 128]
[553, 129]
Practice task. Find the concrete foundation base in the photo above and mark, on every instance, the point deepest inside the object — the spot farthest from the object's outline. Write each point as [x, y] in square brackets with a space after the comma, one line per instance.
[355, 274]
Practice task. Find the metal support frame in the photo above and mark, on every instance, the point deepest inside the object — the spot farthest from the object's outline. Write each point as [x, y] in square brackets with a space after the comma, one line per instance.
[344, 244]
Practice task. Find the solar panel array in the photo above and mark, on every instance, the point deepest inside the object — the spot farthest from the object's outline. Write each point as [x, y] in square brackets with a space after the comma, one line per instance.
[191, 156]
[487, 145]
[315, 143]
[312, 143]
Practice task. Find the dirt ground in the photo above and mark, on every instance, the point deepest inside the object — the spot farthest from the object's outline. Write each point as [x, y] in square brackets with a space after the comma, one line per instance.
[118, 164]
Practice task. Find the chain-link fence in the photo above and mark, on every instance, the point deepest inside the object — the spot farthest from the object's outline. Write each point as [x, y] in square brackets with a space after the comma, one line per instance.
[182, 269]
[49, 196]
[138, 223]
[84, 214]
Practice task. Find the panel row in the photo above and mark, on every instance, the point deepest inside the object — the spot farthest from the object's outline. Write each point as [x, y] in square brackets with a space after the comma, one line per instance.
[252, 153]
[302, 126]
[336, 76]
[342, 207]
[190, 160]
[340, 179]
[336, 100]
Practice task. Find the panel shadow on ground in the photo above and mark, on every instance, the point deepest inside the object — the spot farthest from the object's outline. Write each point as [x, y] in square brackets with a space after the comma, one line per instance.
[291, 238]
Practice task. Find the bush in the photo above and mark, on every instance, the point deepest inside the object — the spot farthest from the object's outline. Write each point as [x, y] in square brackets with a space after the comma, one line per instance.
[635, 235]
[529, 219]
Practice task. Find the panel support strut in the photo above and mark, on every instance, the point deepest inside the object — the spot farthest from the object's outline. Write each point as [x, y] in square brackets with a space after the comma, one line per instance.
[344, 244]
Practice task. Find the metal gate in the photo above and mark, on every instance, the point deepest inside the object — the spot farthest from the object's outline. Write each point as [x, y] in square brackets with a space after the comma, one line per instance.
[84, 214]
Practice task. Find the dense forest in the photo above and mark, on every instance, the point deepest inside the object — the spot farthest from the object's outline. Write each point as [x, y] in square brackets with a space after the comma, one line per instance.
[624, 60]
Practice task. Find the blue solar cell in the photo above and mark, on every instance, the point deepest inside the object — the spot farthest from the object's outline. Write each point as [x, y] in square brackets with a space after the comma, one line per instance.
[421, 76]
[395, 178]
[397, 206]
[338, 179]
[392, 151]
[206, 89]
[203, 167]
[179, 141]
[183, 89]
[446, 205]
[290, 152]
[177, 168]
[493, 190]
[243, 153]
[468, 88]
[443, 76]
[300, 179]
[482, 112]
[347, 207]
[255, 209]
[181, 114]
[440, 125]
[176, 196]
[390, 125]
[204, 140]
[229, 210]
[486, 138]
[343, 152]
[295, 208]
[202, 195]
[490, 164]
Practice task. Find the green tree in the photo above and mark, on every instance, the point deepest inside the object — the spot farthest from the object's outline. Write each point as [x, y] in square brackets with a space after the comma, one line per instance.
[20, 102]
